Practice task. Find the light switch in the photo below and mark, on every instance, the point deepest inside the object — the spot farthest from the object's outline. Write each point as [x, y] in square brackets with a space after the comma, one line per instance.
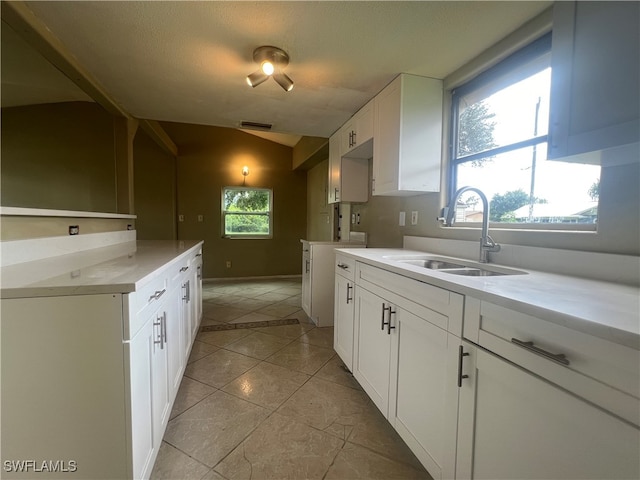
[181, 218]
[401, 220]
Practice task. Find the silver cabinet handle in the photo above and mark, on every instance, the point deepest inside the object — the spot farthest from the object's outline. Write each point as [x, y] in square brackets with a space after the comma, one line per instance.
[199, 274]
[556, 357]
[198, 254]
[184, 269]
[343, 266]
[158, 294]
[158, 339]
[188, 291]
[164, 326]
[461, 355]
[349, 288]
[306, 266]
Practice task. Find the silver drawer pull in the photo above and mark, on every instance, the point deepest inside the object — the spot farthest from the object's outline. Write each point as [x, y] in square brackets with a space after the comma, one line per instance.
[343, 266]
[556, 357]
[184, 269]
[158, 294]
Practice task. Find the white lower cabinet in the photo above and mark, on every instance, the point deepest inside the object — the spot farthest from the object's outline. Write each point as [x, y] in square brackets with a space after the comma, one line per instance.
[97, 378]
[424, 396]
[502, 395]
[343, 320]
[407, 364]
[372, 347]
[140, 352]
[514, 424]
[174, 343]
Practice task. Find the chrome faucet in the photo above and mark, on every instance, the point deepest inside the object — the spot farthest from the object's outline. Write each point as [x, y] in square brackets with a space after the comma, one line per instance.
[486, 242]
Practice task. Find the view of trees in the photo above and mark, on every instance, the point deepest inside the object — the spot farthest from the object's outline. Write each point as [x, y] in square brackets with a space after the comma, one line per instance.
[246, 211]
[502, 206]
[475, 131]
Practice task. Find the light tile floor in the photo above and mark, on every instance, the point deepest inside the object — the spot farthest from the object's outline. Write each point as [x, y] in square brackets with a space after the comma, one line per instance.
[274, 402]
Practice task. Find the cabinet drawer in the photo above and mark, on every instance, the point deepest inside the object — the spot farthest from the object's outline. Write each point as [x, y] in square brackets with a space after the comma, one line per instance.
[145, 300]
[179, 268]
[569, 358]
[345, 266]
[441, 307]
[435, 298]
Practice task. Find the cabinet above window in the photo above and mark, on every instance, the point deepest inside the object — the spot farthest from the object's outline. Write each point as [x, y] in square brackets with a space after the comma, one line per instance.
[595, 83]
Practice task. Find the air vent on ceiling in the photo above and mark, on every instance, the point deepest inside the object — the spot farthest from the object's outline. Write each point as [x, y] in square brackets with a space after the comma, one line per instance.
[256, 125]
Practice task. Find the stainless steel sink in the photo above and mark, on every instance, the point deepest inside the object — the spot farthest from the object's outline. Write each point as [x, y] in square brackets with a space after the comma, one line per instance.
[454, 266]
[432, 264]
[478, 272]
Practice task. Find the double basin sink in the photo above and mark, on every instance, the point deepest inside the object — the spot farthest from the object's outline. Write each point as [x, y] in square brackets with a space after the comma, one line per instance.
[454, 266]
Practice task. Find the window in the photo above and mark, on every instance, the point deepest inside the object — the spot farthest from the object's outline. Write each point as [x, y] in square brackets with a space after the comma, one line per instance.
[246, 212]
[499, 145]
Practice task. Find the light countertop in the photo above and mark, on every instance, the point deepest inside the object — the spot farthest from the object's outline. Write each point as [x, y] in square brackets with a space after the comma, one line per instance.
[122, 268]
[603, 309]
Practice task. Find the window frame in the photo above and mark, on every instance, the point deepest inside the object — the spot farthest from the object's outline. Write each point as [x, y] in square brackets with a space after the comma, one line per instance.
[268, 214]
[536, 49]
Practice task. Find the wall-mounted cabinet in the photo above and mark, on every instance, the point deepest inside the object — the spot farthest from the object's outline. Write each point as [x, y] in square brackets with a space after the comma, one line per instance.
[348, 176]
[595, 99]
[407, 149]
[357, 133]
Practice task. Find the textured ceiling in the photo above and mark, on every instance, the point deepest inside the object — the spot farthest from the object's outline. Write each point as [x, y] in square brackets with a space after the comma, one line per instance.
[187, 61]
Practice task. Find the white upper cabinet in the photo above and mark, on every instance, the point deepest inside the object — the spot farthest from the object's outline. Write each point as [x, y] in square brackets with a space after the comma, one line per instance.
[357, 133]
[595, 83]
[407, 147]
[348, 176]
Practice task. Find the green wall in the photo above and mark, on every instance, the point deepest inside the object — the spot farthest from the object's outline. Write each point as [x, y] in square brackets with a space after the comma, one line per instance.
[211, 158]
[154, 190]
[58, 156]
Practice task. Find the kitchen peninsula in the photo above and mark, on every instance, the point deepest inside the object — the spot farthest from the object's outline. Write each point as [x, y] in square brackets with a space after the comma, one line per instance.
[102, 336]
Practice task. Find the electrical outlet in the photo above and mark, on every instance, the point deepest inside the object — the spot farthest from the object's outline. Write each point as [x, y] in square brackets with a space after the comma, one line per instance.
[414, 218]
[200, 218]
[74, 229]
[228, 263]
[181, 218]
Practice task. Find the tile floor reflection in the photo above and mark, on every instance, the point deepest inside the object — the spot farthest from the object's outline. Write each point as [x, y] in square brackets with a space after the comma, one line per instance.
[273, 402]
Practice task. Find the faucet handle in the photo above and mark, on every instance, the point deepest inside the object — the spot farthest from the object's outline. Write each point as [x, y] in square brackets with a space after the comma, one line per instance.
[490, 245]
[444, 218]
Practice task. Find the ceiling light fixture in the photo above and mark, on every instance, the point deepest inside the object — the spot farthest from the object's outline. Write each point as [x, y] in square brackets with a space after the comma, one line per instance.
[271, 60]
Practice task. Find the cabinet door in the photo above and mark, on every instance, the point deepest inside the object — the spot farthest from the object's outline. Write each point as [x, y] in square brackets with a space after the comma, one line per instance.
[348, 136]
[513, 424]
[195, 292]
[306, 283]
[372, 349]
[186, 313]
[160, 401]
[175, 342]
[387, 139]
[343, 320]
[141, 355]
[407, 151]
[333, 188]
[364, 124]
[595, 99]
[424, 398]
